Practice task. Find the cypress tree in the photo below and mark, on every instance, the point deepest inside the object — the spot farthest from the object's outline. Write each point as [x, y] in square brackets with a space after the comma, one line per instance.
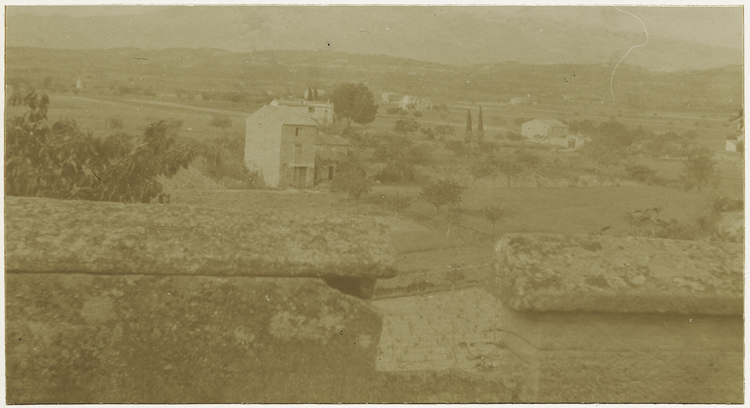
[309, 93]
[468, 135]
[480, 127]
[315, 93]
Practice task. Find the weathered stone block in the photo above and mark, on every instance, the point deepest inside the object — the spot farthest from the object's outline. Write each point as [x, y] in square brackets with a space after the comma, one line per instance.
[114, 238]
[605, 319]
[78, 338]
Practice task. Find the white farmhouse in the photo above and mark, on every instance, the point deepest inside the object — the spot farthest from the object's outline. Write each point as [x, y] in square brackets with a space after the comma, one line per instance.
[550, 131]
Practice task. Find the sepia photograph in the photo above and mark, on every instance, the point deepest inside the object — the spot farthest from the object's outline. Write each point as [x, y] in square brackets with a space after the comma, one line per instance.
[374, 204]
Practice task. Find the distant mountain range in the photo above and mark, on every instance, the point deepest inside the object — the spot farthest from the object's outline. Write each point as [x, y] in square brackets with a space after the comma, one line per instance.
[450, 35]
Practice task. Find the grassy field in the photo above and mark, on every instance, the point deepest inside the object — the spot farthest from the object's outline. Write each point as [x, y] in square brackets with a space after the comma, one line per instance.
[90, 115]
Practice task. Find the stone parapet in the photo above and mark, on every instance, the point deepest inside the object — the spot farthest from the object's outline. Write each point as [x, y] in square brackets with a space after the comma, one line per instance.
[607, 319]
[115, 303]
[114, 238]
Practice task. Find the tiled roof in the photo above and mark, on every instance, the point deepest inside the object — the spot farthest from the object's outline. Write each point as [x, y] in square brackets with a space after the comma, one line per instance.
[280, 115]
[553, 123]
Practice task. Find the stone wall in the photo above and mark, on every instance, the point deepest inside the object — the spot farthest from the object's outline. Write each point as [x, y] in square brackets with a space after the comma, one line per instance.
[115, 303]
[605, 319]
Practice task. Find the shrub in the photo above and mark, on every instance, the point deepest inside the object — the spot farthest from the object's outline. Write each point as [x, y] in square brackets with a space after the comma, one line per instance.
[393, 111]
[406, 125]
[641, 173]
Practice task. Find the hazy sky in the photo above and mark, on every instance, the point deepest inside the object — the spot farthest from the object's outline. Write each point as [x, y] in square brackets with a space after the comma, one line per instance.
[718, 26]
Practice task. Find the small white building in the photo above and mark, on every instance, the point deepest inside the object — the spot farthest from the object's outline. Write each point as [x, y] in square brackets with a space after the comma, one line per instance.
[409, 102]
[731, 144]
[552, 132]
[388, 97]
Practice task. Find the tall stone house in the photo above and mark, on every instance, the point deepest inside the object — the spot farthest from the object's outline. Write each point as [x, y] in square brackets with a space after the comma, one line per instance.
[284, 145]
[280, 145]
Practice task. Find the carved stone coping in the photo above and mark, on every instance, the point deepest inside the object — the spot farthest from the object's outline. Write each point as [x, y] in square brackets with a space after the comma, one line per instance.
[554, 273]
[64, 236]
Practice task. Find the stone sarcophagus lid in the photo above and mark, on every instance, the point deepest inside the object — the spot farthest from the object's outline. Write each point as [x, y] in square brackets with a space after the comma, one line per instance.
[128, 303]
[622, 319]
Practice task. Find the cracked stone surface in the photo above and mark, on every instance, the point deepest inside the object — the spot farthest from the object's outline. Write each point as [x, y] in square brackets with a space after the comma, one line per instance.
[54, 236]
[542, 273]
[76, 338]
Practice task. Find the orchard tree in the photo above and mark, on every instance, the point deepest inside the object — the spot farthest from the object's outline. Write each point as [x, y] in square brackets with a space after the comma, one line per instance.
[494, 214]
[354, 103]
[397, 203]
[351, 178]
[700, 169]
[442, 192]
[453, 217]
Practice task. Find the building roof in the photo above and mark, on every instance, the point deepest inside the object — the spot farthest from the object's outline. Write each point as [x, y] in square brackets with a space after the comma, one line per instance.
[300, 102]
[549, 122]
[281, 115]
[553, 123]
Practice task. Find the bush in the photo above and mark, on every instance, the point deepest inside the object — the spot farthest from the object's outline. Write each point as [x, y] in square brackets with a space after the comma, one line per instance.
[641, 173]
[406, 125]
[417, 114]
[351, 178]
[393, 111]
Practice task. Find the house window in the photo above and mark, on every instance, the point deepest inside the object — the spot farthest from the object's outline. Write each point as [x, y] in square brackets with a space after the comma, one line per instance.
[298, 153]
[296, 131]
[311, 109]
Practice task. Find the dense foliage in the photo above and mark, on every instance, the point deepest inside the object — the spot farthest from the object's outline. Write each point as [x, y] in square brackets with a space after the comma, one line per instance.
[354, 103]
[61, 161]
[443, 192]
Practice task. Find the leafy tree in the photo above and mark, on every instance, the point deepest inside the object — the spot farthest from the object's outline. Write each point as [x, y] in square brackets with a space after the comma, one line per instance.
[61, 161]
[428, 133]
[351, 178]
[468, 133]
[453, 217]
[401, 155]
[511, 169]
[222, 122]
[494, 214]
[442, 192]
[397, 203]
[700, 169]
[406, 125]
[354, 103]
[486, 166]
[162, 152]
[458, 148]
[480, 127]
[443, 131]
